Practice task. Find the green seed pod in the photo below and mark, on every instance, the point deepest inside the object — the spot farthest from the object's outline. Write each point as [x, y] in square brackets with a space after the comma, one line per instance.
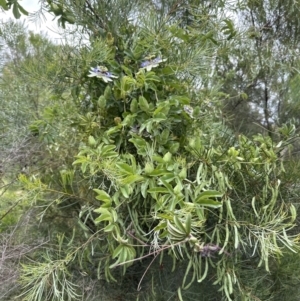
[92, 141]
[182, 174]
[174, 147]
[193, 240]
[167, 157]
[149, 167]
[101, 102]
[177, 189]
[117, 120]
[109, 39]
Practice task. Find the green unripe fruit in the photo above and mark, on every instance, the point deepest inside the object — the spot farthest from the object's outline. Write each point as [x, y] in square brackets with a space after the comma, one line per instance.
[101, 102]
[177, 189]
[167, 157]
[174, 148]
[182, 174]
[117, 120]
[193, 240]
[149, 167]
[92, 141]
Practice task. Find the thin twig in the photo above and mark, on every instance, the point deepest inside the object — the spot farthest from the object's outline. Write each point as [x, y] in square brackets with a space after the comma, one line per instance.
[11, 208]
[144, 274]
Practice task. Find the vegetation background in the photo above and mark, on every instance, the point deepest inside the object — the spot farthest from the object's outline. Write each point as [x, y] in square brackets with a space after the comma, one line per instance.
[153, 155]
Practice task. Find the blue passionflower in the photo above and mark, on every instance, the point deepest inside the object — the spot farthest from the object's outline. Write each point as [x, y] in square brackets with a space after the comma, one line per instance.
[103, 73]
[145, 64]
[189, 110]
[152, 63]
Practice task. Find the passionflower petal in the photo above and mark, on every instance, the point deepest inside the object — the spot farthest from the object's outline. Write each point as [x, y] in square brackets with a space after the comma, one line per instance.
[102, 72]
[189, 110]
[152, 63]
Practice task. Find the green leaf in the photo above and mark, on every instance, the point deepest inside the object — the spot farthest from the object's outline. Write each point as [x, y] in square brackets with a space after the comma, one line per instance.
[143, 104]
[157, 172]
[105, 215]
[180, 225]
[158, 159]
[109, 228]
[167, 70]
[158, 189]
[161, 226]
[126, 70]
[159, 117]
[117, 250]
[179, 33]
[138, 141]
[168, 186]
[151, 77]
[181, 99]
[209, 194]
[23, 11]
[16, 12]
[168, 177]
[133, 178]
[144, 187]
[102, 195]
[3, 4]
[128, 120]
[110, 155]
[163, 138]
[81, 160]
[107, 148]
[126, 191]
[113, 130]
[208, 203]
[162, 108]
[134, 106]
[188, 223]
[84, 166]
[107, 151]
[107, 93]
[125, 168]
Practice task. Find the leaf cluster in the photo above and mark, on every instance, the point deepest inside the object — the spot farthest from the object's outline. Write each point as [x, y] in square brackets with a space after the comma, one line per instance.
[142, 172]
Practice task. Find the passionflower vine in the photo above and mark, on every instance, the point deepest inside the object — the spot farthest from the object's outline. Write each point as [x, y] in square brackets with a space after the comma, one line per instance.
[152, 63]
[103, 73]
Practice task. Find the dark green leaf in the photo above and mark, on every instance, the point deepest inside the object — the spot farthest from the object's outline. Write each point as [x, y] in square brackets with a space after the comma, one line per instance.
[23, 11]
[208, 203]
[158, 189]
[209, 194]
[3, 4]
[16, 12]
